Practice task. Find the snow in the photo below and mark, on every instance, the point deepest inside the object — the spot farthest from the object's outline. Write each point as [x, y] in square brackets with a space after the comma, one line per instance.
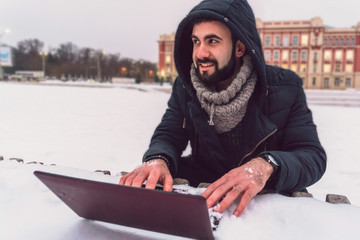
[108, 127]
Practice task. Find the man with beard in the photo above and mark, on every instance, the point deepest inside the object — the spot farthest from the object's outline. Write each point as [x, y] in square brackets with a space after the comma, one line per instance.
[248, 123]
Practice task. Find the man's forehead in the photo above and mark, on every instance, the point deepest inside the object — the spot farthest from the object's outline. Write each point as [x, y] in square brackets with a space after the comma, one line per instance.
[210, 27]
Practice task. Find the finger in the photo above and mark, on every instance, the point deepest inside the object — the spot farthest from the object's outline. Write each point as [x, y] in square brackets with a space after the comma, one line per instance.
[245, 199]
[152, 180]
[230, 197]
[126, 176]
[168, 183]
[122, 179]
[210, 189]
[129, 179]
[217, 194]
[140, 178]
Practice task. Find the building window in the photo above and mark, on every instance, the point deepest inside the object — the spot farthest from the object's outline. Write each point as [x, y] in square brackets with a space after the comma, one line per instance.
[327, 55]
[325, 42]
[314, 81]
[267, 41]
[326, 82]
[315, 68]
[295, 40]
[315, 56]
[276, 55]
[285, 41]
[294, 55]
[303, 56]
[349, 68]
[353, 41]
[285, 55]
[348, 41]
[350, 55]
[327, 68]
[331, 41]
[168, 48]
[348, 82]
[167, 59]
[338, 55]
[337, 82]
[337, 42]
[303, 68]
[316, 41]
[285, 65]
[267, 55]
[342, 42]
[337, 67]
[304, 40]
[294, 67]
[277, 40]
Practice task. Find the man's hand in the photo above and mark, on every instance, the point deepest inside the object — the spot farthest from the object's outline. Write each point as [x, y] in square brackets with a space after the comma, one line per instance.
[154, 171]
[245, 181]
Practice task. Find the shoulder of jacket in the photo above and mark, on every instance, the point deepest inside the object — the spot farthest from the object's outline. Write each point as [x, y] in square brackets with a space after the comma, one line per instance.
[277, 76]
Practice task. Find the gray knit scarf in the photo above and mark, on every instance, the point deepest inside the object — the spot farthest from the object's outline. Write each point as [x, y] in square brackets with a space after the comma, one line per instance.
[227, 107]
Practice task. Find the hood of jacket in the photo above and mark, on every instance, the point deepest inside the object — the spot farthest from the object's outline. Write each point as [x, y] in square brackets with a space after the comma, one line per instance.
[238, 16]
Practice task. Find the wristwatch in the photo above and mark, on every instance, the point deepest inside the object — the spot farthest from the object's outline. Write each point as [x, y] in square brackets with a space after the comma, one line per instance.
[270, 159]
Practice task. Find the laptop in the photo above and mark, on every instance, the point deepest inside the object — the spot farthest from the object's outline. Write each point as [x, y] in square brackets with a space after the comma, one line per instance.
[153, 210]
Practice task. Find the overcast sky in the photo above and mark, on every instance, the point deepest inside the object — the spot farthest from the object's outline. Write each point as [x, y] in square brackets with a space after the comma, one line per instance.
[132, 27]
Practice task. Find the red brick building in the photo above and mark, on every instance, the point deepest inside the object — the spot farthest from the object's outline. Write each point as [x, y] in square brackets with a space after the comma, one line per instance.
[166, 65]
[324, 57]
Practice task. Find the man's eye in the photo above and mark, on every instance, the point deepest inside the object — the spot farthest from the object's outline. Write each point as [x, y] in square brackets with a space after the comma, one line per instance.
[212, 41]
[196, 41]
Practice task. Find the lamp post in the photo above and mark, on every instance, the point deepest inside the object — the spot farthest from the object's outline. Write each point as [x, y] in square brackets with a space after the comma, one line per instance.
[43, 56]
[5, 31]
[99, 55]
[162, 73]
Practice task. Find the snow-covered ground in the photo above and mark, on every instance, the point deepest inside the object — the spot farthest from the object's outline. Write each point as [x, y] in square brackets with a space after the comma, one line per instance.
[83, 129]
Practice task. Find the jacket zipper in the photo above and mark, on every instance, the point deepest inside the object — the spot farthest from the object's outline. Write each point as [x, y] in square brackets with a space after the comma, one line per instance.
[257, 145]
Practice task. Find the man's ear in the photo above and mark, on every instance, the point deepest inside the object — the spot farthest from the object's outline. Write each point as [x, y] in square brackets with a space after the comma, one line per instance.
[240, 49]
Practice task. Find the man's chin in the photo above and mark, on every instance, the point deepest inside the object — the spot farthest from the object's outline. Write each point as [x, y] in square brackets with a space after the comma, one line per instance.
[206, 77]
[208, 80]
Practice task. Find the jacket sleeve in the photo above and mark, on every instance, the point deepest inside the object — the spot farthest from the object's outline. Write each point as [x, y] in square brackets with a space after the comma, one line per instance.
[301, 157]
[169, 138]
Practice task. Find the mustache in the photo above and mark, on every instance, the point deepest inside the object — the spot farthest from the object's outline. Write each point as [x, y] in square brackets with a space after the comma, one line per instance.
[206, 60]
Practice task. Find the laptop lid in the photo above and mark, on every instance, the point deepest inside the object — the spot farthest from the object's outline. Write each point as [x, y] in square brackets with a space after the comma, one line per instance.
[154, 210]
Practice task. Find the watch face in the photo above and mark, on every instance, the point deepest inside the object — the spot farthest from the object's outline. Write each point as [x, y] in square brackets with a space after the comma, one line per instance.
[272, 160]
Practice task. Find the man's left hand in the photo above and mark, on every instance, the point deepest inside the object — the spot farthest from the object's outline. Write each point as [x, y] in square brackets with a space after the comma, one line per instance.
[245, 181]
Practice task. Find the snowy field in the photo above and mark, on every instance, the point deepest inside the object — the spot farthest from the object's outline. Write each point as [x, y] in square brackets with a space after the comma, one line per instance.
[83, 129]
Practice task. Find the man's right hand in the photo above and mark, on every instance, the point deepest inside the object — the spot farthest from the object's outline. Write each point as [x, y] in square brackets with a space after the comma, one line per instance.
[154, 171]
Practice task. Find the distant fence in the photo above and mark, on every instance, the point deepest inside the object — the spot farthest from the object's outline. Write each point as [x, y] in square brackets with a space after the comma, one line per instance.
[123, 80]
[344, 98]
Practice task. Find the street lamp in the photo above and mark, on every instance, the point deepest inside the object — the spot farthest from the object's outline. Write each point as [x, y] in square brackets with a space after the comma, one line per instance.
[123, 71]
[43, 56]
[98, 61]
[5, 31]
[162, 73]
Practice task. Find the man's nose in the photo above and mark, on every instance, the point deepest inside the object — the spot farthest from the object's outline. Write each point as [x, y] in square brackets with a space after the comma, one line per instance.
[203, 52]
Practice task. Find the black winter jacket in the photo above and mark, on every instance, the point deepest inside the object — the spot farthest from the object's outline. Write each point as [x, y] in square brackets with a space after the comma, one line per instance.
[277, 121]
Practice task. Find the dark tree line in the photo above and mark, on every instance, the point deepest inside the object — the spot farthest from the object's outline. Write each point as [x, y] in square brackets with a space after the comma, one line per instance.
[68, 61]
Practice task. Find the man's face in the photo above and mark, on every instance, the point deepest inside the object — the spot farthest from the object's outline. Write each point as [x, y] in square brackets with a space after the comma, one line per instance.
[213, 51]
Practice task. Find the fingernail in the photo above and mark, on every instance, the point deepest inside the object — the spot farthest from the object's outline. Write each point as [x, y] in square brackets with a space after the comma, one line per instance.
[236, 213]
[217, 207]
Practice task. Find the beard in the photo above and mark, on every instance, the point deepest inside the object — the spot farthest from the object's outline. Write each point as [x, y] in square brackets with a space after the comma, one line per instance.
[219, 74]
